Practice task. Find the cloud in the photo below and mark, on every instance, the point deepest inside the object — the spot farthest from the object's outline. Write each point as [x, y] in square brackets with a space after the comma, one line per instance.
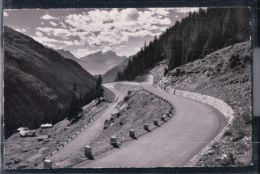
[187, 9]
[53, 24]
[57, 32]
[21, 30]
[161, 11]
[5, 14]
[140, 34]
[90, 30]
[115, 26]
[51, 42]
[130, 14]
[48, 17]
[39, 34]
[62, 25]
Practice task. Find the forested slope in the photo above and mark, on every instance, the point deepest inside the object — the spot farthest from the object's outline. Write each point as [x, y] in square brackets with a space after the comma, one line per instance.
[40, 85]
[197, 35]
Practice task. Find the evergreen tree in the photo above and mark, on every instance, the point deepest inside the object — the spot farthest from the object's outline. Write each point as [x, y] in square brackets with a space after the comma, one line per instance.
[198, 34]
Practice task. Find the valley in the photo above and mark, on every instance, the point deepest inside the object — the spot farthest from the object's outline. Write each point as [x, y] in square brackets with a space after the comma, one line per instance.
[184, 99]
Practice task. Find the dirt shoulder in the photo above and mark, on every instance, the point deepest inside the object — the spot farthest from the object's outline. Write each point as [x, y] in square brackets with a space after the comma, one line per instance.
[224, 74]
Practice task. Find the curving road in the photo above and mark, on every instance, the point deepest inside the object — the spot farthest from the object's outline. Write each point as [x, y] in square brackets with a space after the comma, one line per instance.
[86, 136]
[193, 126]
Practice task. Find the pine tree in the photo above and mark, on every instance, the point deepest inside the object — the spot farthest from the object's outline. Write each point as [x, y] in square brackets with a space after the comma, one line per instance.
[198, 34]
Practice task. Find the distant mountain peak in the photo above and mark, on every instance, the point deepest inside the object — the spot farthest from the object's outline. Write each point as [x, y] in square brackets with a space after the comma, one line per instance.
[109, 52]
[100, 62]
[100, 53]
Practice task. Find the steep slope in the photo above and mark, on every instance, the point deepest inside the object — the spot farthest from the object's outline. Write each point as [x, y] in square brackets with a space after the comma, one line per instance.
[110, 75]
[84, 64]
[224, 74]
[195, 36]
[39, 84]
[101, 62]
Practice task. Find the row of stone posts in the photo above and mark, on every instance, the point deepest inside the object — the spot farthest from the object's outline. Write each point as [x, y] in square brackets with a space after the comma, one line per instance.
[114, 140]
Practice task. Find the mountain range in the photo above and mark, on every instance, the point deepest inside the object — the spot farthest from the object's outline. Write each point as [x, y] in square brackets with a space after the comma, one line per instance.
[97, 63]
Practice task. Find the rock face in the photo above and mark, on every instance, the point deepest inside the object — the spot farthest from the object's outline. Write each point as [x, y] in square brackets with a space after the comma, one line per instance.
[39, 84]
[101, 62]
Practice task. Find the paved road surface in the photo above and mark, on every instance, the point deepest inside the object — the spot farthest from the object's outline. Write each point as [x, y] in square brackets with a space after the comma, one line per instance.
[173, 144]
[85, 137]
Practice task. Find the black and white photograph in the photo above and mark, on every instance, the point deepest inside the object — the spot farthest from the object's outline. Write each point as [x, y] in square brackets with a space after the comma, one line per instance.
[127, 87]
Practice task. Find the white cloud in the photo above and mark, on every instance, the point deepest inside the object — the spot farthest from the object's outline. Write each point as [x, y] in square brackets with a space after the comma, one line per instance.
[41, 37]
[45, 40]
[53, 24]
[39, 34]
[187, 9]
[114, 27]
[62, 25]
[58, 32]
[5, 14]
[21, 30]
[140, 34]
[160, 11]
[48, 17]
[92, 30]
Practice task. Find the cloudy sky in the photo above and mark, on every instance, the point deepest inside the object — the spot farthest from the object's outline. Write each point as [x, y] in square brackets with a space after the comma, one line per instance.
[85, 31]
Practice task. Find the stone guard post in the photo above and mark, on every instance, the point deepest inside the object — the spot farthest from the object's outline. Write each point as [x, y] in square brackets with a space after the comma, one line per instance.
[47, 164]
[113, 141]
[88, 152]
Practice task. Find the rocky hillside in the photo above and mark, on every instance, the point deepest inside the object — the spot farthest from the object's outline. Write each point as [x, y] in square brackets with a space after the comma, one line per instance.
[101, 62]
[195, 36]
[224, 74]
[39, 84]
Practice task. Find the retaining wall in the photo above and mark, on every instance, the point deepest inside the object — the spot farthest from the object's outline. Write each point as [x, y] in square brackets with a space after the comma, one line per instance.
[109, 95]
[218, 104]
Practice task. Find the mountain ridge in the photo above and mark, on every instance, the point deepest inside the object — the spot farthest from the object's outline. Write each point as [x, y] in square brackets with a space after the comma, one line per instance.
[100, 62]
[67, 54]
[40, 84]
[96, 63]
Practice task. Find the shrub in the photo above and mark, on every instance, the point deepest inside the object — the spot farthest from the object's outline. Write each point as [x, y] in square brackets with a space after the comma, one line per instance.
[234, 61]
